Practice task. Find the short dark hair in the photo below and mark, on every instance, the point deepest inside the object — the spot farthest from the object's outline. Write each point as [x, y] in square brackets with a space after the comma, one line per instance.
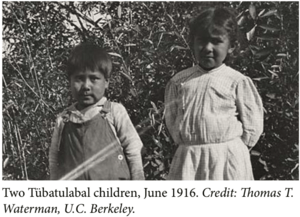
[215, 19]
[87, 56]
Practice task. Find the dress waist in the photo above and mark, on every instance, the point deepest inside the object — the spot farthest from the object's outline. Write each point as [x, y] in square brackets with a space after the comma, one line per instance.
[238, 139]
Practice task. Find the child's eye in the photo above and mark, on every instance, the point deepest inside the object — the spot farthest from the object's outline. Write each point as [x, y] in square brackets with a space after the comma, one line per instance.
[93, 79]
[78, 78]
[216, 41]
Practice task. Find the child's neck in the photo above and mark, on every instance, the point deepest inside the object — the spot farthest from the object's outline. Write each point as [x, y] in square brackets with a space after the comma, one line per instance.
[84, 109]
[211, 69]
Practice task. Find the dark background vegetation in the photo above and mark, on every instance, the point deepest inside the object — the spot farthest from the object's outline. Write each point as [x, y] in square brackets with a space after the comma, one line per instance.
[148, 42]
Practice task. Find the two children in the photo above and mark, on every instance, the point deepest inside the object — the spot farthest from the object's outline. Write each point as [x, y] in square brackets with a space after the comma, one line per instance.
[213, 112]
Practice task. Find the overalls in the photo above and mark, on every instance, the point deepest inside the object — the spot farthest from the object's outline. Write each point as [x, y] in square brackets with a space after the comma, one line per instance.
[81, 141]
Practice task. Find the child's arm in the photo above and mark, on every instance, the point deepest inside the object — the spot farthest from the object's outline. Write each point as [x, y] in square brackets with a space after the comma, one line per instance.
[53, 151]
[171, 110]
[130, 141]
[250, 108]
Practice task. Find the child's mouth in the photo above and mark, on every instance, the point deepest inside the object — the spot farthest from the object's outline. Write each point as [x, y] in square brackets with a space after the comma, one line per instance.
[83, 96]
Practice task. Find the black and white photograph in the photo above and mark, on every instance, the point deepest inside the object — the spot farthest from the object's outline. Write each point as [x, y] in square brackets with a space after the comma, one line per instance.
[150, 91]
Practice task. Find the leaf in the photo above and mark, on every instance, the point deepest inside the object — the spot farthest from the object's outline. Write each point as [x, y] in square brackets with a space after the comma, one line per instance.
[158, 143]
[281, 55]
[250, 34]
[290, 159]
[240, 15]
[133, 92]
[129, 45]
[263, 53]
[126, 75]
[296, 166]
[5, 162]
[268, 27]
[159, 128]
[252, 11]
[119, 11]
[276, 67]
[171, 18]
[153, 119]
[148, 40]
[17, 84]
[154, 107]
[269, 13]
[260, 13]
[119, 29]
[241, 20]
[271, 95]
[255, 153]
[115, 54]
[261, 78]
[166, 137]
[267, 38]
[161, 167]
[178, 48]
[264, 163]
[157, 161]
[273, 73]
[254, 48]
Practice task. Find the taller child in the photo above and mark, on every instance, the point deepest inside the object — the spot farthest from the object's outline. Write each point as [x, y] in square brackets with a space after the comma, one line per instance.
[213, 112]
[94, 138]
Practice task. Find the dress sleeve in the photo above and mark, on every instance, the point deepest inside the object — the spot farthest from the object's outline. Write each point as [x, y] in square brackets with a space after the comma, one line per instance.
[171, 106]
[130, 141]
[53, 151]
[250, 110]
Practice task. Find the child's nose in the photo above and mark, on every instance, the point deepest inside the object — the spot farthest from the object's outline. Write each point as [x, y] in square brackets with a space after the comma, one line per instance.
[208, 47]
[86, 84]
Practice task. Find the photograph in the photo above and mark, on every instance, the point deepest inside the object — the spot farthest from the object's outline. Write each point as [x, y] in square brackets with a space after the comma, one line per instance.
[150, 91]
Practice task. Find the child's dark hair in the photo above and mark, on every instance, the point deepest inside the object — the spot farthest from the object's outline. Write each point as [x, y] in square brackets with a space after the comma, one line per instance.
[215, 20]
[87, 56]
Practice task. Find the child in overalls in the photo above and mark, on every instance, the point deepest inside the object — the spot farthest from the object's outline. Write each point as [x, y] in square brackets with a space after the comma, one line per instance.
[213, 112]
[94, 139]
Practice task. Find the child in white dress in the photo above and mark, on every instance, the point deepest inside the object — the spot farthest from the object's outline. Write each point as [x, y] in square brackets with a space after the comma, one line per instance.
[213, 112]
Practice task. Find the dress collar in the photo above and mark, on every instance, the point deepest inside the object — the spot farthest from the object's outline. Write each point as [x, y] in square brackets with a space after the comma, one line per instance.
[76, 116]
[221, 67]
[100, 103]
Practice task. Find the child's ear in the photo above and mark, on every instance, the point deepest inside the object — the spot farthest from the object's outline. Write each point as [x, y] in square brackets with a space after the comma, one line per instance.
[106, 83]
[232, 48]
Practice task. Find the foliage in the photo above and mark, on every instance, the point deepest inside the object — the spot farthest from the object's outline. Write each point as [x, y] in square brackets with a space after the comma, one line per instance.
[148, 42]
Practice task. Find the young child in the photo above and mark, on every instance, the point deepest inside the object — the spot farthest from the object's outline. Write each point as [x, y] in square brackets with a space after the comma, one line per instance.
[94, 138]
[213, 112]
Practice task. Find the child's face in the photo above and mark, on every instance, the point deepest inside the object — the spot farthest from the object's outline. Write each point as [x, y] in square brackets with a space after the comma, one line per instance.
[211, 49]
[88, 87]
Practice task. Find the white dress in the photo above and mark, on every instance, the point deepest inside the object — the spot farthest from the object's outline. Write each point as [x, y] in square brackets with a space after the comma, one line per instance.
[214, 116]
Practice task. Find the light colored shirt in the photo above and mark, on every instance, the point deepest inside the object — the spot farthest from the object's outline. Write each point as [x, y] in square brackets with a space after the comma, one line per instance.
[120, 124]
[204, 107]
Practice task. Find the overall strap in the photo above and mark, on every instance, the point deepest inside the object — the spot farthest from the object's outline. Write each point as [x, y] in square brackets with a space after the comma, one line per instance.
[107, 109]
